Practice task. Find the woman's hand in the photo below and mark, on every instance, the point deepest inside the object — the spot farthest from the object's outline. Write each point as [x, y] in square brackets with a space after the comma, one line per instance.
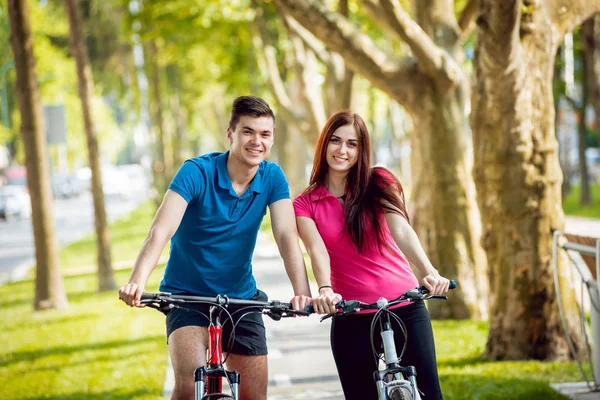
[435, 283]
[325, 303]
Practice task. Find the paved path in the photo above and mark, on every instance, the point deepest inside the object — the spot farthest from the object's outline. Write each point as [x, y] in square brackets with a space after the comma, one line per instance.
[583, 226]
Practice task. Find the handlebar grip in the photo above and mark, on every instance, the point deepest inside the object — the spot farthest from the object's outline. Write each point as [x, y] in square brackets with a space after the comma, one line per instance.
[424, 290]
[311, 310]
[148, 296]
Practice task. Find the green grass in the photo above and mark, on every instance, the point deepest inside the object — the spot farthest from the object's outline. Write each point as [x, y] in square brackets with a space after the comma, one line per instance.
[464, 375]
[96, 349]
[571, 204]
[100, 349]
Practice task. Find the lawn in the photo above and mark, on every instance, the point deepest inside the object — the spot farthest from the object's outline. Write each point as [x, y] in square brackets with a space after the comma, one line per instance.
[100, 349]
[571, 203]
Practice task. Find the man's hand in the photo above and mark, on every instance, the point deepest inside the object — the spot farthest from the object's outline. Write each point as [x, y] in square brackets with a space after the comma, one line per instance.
[131, 294]
[299, 303]
[435, 283]
[325, 303]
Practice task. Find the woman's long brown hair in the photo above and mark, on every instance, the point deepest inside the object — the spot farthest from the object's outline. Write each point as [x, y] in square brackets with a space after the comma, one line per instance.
[370, 192]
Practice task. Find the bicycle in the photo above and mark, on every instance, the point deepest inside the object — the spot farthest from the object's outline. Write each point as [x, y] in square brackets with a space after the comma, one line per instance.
[394, 382]
[209, 379]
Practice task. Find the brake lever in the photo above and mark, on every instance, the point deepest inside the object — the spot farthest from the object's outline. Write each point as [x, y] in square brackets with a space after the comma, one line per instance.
[273, 315]
[436, 296]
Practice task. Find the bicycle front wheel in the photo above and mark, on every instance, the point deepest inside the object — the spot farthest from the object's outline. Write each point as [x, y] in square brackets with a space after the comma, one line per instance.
[399, 393]
[217, 396]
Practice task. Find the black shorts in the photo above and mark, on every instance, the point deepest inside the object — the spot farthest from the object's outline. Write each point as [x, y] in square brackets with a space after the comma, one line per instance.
[250, 337]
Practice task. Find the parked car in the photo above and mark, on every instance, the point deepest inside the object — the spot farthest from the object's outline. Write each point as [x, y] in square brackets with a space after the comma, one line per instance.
[16, 175]
[14, 202]
[65, 186]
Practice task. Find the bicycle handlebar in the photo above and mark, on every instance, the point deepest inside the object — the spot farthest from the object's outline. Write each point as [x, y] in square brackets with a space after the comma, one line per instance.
[275, 309]
[350, 306]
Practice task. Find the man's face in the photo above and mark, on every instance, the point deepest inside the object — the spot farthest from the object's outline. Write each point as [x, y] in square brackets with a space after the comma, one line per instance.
[252, 139]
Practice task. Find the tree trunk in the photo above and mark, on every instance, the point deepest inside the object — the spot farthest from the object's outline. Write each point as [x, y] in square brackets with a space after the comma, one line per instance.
[588, 85]
[178, 117]
[519, 180]
[106, 279]
[49, 289]
[292, 157]
[162, 166]
[558, 84]
[595, 78]
[446, 217]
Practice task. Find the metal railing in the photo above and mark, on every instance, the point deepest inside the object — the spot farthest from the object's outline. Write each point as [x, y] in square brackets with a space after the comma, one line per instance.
[589, 250]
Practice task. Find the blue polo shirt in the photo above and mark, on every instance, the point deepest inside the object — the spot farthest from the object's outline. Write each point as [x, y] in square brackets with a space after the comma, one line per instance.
[211, 252]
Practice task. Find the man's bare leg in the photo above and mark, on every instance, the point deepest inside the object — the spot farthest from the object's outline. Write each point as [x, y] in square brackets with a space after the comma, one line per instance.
[187, 348]
[254, 375]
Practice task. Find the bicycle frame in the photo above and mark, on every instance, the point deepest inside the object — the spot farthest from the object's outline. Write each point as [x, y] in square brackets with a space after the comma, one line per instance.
[209, 378]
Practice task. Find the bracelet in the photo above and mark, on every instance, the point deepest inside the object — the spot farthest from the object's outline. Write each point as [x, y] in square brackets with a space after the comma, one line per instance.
[324, 286]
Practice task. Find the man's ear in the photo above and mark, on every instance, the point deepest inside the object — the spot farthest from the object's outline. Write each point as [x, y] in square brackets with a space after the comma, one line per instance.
[229, 135]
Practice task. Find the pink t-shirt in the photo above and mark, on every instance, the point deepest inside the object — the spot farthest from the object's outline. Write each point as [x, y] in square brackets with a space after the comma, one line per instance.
[367, 276]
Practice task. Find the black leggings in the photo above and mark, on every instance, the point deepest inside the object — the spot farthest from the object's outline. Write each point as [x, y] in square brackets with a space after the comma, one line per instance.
[351, 346]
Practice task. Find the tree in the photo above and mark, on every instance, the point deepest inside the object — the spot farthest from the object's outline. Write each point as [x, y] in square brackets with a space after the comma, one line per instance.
[591, 95]
[49, 289]
[517, 171]
[432, 86]
[106, 280]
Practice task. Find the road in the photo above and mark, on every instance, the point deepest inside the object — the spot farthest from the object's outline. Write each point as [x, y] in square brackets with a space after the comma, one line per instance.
[74, 218]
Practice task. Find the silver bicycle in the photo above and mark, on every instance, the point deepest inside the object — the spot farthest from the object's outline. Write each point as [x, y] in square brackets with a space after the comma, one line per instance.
[393, 381]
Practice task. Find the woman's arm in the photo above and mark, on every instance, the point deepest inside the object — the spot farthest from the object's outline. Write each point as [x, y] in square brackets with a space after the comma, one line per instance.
[319, 257]
[408, 242]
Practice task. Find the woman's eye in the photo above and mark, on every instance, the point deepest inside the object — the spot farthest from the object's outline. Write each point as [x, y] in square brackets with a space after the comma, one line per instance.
[351, 144]
[335, 140]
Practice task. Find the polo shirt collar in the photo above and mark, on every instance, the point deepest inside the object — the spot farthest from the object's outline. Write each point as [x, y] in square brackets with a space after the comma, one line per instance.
[321, 193]
[256, 185]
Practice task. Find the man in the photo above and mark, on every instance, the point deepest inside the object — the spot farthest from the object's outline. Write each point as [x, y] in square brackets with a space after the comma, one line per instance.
[212, 212]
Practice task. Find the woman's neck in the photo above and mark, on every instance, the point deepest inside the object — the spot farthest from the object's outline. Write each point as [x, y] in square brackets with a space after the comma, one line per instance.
[336, 184]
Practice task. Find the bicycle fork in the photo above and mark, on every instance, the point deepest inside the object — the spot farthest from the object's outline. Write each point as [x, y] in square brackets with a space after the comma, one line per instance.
[392, 366]
[215, 372]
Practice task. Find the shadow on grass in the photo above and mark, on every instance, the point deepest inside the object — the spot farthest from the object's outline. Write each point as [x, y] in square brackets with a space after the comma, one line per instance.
[29, 356]
[462, 362]
[21, 326]
[485, 387]
[113, 395]
[60, 365]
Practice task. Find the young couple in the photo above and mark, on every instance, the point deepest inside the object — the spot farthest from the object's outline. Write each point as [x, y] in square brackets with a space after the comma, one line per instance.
[351, 218]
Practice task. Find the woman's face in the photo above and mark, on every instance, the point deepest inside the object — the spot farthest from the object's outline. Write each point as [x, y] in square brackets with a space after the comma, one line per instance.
[342, 149]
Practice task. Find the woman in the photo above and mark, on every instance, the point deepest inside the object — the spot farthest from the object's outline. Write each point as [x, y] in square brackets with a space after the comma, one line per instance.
[354, 225]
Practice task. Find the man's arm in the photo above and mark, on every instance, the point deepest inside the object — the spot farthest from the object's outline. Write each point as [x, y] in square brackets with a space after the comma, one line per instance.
[165, 224]
[283, 223]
